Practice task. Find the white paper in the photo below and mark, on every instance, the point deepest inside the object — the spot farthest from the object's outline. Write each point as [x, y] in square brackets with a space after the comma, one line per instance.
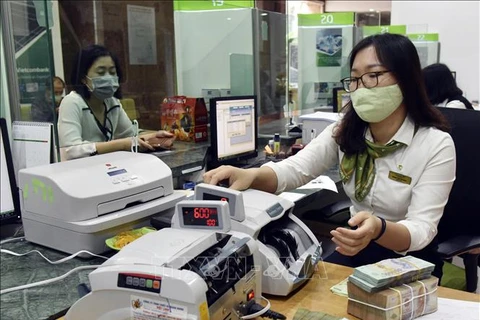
[142, 41]
[455, 309]
[6, 200]
[32, 145]
[292, 196]
[149, 308]
[321, 182]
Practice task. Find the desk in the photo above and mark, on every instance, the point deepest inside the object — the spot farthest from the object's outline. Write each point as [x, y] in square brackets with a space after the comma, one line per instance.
[185, 157]
[46, 300]
[316, 295]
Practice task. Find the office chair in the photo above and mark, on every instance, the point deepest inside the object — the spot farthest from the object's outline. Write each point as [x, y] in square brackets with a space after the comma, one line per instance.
[324, 210]
[459, 227]
[128, 105]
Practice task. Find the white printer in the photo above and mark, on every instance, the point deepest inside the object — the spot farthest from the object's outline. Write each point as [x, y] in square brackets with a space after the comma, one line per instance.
[289, 251]
[200, 270]
[78, 204]
[315, 123]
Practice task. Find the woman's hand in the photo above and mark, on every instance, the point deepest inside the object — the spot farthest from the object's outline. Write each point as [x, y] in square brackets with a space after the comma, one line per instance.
[144, 145]
[160, 139]
[238, 179]
[349, 242]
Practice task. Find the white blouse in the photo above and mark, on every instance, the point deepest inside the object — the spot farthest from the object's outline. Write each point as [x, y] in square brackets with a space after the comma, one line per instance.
[429, 160]
[78, 131]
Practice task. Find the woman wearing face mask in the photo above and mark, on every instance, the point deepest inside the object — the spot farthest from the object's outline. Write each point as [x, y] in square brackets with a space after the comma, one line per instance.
[91, 119]
[396, 160]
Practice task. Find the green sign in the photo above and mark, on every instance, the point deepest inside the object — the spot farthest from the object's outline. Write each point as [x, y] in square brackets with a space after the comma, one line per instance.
[423, 36]
[371, 30]
[325, 19]
[33, 69]
[197, 5]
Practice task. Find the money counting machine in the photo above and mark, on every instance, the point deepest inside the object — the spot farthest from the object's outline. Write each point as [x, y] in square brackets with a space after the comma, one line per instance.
[76, 205]
[289, 251]
[198, 270]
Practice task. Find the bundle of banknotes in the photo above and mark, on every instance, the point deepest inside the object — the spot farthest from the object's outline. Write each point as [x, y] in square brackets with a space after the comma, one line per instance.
[407, 301]
[390, 272]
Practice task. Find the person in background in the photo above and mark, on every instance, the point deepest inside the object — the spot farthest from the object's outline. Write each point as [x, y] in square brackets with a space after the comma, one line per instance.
[43, 108]
[396, 159]
[442, 88]
[92, 120]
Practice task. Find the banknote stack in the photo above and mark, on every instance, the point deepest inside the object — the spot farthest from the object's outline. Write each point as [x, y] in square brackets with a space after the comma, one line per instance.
[407, 301]
[397, 289]
[390, 273]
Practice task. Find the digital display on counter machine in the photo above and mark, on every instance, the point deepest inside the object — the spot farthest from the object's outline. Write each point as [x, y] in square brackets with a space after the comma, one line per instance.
[116, 172]
[200, 216]
[209, 196]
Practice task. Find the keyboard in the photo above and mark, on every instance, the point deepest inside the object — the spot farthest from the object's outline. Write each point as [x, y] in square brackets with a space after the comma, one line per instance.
[259, 162]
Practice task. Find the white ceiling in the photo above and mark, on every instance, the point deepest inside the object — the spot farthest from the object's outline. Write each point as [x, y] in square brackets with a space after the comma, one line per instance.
[357, 6]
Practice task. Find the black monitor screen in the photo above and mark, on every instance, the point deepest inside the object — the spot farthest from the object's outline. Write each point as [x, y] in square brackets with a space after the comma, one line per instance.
[233, 126]
[340, 99]
[9, 201]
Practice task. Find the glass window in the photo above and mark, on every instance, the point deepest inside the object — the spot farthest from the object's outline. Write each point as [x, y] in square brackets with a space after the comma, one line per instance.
[140, 34]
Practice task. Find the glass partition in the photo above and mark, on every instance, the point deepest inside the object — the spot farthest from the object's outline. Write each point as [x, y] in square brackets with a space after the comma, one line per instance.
[324, 44]
[31, 23]
[137, 39]
[140, 34]
[271, 44]
[214, 52]
[161, 51]
[33, 93]
[231, 52]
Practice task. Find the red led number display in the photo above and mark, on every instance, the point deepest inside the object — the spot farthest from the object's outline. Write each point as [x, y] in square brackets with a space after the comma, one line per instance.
[203, 213]
[200, 216]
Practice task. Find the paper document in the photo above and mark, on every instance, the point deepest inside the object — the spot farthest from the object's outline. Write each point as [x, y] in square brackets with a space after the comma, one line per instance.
[321, 182]
[32, 143]
[142, 39]
[455, 309]
[292, 196]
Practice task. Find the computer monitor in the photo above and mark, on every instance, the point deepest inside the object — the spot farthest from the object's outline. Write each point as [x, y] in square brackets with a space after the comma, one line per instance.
[340, 99]
[9, 201]
[233, 129]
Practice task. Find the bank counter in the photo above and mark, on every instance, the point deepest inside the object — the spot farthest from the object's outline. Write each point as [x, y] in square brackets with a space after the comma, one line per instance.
[48, 301]
[45, 301]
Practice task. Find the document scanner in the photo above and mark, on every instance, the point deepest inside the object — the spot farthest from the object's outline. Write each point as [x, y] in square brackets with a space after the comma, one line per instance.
[78, 204]
[200, 270]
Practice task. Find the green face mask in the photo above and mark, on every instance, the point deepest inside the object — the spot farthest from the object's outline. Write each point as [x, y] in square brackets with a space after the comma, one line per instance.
[376, 104]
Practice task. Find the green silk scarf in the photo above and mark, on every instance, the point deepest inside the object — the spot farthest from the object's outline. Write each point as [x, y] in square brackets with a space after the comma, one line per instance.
[363, 165]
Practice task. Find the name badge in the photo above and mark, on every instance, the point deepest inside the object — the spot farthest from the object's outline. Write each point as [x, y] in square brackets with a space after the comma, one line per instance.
[395, 176]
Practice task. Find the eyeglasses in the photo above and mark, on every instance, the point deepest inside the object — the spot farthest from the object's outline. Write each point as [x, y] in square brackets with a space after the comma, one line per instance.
[369, 80]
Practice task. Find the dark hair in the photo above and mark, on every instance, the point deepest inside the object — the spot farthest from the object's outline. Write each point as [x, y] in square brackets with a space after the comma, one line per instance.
[55, 78]
[440, 83]
[84, 60]
[398, 54]
[49, 81]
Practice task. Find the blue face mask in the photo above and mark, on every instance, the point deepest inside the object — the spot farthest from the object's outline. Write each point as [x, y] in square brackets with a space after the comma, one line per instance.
[104, 87]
